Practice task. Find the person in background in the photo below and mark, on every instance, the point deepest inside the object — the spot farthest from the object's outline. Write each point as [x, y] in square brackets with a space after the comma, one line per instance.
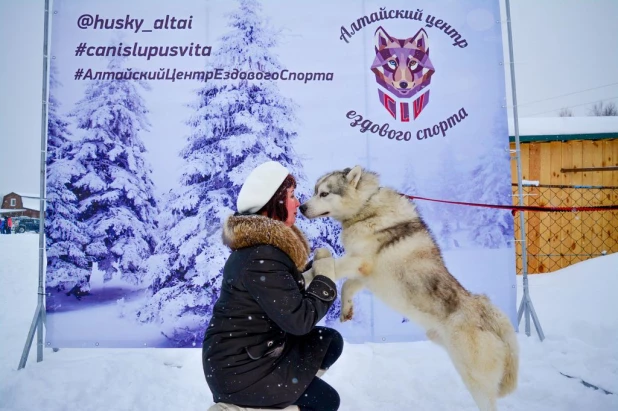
[262, 347]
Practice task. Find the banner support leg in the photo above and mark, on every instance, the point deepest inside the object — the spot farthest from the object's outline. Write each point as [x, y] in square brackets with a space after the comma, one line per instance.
[39, 314]
[525, 308]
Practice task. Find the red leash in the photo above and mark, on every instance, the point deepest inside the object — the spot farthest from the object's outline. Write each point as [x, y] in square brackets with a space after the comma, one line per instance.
[519, 208]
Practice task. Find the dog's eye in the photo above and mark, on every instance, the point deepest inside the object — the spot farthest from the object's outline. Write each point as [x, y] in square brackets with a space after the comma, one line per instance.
[413, 64]
[324, 194]
[392, 63]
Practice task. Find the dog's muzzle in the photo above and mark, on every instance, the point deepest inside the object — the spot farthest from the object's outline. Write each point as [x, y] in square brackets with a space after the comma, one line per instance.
[303, 208]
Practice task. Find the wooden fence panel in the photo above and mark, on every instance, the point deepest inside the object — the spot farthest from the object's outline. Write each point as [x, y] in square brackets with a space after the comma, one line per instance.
[533, 222]
[556, 240]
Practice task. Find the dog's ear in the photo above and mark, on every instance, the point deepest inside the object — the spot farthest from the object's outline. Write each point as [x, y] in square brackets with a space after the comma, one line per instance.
[354, 176]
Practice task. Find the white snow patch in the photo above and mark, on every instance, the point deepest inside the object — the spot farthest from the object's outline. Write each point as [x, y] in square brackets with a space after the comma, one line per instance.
[576, 307]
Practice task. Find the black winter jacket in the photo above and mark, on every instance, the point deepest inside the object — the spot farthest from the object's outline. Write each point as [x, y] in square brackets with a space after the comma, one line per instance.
[261, 347]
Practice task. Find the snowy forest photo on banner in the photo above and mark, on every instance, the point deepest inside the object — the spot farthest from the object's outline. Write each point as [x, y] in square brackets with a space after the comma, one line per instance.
[158, 113]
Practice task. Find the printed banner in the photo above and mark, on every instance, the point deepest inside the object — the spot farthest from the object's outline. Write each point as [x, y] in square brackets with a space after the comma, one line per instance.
[157, 113]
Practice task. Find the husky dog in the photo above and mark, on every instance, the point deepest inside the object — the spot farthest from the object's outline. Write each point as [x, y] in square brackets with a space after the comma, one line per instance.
[390, 250]
[403, 70]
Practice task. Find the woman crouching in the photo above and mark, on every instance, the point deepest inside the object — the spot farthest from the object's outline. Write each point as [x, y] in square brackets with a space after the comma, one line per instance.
[262, 347]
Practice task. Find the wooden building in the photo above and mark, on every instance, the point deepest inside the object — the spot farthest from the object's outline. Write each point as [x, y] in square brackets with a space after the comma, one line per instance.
[20, 204]
[567, 162]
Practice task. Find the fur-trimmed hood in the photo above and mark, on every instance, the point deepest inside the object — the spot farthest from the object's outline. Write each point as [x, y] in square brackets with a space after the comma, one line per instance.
[240, 231]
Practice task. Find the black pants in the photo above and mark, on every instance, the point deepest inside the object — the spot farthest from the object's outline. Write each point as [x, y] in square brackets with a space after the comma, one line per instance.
[319, 395]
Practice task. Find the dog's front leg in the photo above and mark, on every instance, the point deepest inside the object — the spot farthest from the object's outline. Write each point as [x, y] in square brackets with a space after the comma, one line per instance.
[349, 289]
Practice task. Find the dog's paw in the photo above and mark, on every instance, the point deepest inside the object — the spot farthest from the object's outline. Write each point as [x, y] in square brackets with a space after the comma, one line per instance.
[321, 253]
[308, 276]
[347, 313]
[325, 267]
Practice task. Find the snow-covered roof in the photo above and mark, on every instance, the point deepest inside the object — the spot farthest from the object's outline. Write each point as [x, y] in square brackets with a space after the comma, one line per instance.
[29, 200]
[543, 126]
[31, 203]
[31, 195]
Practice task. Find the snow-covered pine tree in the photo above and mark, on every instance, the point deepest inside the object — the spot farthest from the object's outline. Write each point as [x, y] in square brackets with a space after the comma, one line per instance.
[490, 184]
[65, 236]
[57, 126]
[412, 186]
[237, 125]
[450, 184]
[115, 190]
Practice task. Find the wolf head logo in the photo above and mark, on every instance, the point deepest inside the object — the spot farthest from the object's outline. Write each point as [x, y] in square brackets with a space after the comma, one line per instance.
[403, 69]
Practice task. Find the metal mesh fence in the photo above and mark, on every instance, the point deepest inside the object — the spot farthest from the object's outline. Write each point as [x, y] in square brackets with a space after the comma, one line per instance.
[558, 239]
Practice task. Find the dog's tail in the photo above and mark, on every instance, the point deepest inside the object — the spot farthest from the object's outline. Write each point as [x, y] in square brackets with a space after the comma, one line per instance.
[508, 384]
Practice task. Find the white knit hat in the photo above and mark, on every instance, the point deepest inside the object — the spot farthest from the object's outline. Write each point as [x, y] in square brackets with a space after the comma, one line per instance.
[259, 187]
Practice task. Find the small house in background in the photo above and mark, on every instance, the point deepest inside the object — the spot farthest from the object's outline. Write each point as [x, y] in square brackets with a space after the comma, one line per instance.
[20, 205]
[566, 162]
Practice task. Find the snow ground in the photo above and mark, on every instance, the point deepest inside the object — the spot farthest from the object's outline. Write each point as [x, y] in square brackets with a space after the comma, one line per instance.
[576, 307]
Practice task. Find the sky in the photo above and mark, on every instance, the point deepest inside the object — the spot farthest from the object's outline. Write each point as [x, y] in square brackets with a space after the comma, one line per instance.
[563, 58]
